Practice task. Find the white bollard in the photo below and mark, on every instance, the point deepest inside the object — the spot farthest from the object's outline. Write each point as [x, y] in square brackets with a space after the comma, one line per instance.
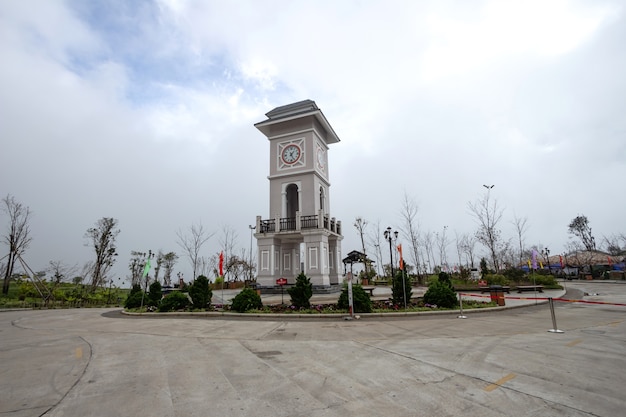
[461, 316]
[554, 329]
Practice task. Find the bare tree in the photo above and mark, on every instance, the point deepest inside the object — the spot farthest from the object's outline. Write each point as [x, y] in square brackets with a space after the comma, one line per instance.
[159, 264]
[374, 240]
[228, 243]
[136, 266]
[442, 243]
[580, 228]
[468, 243]
[18, 237]
[192, 244]
[615, 244]
[411, 227]
[488, 215]
[428, 246]
[61, 272]
[102, 239]
[459, 247]
[520, 228]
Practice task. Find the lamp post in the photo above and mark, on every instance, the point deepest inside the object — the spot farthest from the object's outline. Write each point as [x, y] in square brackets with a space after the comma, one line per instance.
[250, 265]
[547, 251]
[389, 237]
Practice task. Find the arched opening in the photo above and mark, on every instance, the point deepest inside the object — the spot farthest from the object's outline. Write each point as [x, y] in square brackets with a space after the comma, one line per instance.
[322, 199]
[292, 200]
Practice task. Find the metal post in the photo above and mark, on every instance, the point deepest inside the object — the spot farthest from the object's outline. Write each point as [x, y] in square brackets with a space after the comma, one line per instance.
[461, 316]
[554, 329]
[404, 287]
[350, 299]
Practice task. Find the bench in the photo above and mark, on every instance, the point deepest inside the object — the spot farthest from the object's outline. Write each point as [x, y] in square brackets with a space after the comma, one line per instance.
[488, 289]
[523, 288]
[380, 282]
[370, 290]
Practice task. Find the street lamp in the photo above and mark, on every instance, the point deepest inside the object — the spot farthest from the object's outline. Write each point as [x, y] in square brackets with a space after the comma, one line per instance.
[250, 266]
[489, 187]
[389, 237]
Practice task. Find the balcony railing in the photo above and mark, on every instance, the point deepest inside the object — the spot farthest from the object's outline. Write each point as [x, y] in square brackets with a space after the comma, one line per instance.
[291, 224]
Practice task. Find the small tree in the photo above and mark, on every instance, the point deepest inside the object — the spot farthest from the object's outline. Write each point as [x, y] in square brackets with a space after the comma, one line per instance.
[134, 297]
[360, 299]
[102, 239]
[18, 237]
[169, 260]
[580, 228]
[484, 271]
[302, 292]
[401, 288]
[200, 293]
[246, 300]
[441, 293]
[192, 244]
[155, 294]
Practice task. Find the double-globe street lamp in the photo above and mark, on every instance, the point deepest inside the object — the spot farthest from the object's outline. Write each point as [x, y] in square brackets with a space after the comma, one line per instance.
[389, 237]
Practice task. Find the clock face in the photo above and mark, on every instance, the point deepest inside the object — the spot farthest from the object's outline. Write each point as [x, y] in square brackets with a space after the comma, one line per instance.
[320, 158]
[291, 154]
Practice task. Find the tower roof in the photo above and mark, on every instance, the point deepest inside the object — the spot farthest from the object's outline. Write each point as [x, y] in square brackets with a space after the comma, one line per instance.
[295, 111]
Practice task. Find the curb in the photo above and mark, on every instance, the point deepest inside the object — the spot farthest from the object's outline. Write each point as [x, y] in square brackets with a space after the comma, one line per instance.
[330, 315]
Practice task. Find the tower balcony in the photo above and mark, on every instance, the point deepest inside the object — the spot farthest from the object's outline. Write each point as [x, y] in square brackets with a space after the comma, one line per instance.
[299, 223]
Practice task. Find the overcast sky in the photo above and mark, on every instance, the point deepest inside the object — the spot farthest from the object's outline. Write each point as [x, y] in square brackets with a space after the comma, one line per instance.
[144, 111]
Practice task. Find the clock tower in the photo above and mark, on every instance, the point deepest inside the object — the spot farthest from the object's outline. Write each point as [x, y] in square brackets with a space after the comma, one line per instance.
[300, 235]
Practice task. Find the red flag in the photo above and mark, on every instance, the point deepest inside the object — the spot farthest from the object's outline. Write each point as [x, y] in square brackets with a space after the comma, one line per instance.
[222, 264]
[561, 261]
[401, 260]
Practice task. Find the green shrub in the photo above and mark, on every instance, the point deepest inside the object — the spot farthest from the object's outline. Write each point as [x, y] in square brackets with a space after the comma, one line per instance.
[496, 279]
[200, 293]
[514, 274]
[155, 294]
[136, 288]
[134, 300]
[176, 300]
[545, 280]
[360, 299]
[401, 288]
[27, 289]
[440, 294]
[302, 292]
[246, 300]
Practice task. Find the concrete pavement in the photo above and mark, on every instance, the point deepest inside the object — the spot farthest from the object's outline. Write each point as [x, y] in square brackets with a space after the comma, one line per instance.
[95, 362]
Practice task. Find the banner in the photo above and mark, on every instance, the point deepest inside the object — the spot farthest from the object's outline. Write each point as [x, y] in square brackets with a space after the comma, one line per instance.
[146, 268]
[222, 264]
[401, 259]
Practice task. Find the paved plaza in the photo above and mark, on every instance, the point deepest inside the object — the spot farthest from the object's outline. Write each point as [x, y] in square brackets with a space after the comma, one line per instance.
[98, 362]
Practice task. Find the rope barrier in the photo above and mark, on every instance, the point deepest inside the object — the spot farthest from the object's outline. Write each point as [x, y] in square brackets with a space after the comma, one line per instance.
[565, 300]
